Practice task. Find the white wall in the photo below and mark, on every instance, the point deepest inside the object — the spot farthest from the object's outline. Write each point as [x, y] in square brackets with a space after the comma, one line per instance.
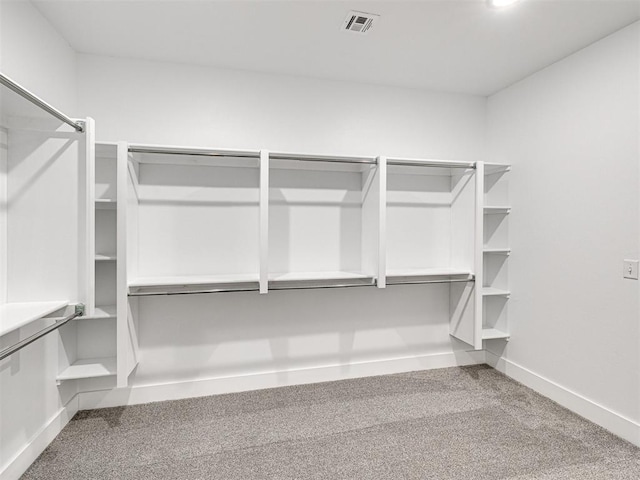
[177, 104]
[571, 133]
[199, 337]
[34, 54]
[31, 404]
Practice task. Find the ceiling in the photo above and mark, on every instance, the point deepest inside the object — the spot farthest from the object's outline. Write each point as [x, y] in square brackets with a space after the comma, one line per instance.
[445, 45]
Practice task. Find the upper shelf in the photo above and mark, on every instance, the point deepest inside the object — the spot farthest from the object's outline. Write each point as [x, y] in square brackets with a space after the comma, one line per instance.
[16, 315]
[423, 162]
[308, 161]
[173, 155]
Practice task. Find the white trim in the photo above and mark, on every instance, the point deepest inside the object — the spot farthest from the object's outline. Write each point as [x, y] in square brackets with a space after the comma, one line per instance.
[617, 424]
[256, 381]
[14, 468]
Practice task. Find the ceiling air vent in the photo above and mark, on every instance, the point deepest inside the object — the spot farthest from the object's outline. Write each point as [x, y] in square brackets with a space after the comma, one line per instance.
[359, 22]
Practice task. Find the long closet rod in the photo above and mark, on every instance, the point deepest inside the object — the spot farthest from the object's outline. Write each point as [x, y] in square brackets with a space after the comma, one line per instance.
[78, 312]
[292, 286]
[37, 101]
[421, 282]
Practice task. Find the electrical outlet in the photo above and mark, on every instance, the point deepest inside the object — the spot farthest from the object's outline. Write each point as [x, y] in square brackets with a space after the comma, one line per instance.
[631, 269]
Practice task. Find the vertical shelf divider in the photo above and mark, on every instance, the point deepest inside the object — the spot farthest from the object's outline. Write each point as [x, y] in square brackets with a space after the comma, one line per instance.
[122, 336]
[264, 221]
[479, 257]
[382, 222]
[90, 218]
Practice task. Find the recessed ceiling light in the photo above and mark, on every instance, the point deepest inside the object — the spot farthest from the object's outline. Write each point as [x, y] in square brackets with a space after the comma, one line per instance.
[501, 3]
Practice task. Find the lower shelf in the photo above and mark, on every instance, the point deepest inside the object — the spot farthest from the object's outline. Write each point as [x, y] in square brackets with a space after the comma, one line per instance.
[172, 285]
[427, 275]
[102, 312]
[495, 292]
[89, 368]
[493, 334]
[334, 279]
[16, 315]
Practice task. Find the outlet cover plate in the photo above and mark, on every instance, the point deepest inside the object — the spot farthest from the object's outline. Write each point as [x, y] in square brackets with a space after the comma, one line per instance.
[631, 269]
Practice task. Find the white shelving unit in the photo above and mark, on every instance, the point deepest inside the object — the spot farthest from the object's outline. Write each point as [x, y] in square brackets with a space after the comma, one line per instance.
[42, 274]
[428, 230]
[321, 211]
[193, 219]
[94, 338]
[495, 290]
[202, 220]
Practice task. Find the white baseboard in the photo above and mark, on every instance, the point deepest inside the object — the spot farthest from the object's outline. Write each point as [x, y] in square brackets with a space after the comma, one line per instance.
[14, 468]
[256, 381]
[615, 423]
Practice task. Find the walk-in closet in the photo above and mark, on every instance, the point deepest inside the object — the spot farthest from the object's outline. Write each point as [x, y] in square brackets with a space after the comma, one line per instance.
[307, 239]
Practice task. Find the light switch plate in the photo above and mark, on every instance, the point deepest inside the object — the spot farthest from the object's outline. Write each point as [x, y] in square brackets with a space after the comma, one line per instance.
[631, 269]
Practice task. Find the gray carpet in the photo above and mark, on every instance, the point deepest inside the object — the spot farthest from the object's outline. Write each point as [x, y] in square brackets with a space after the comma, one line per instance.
[454, 423]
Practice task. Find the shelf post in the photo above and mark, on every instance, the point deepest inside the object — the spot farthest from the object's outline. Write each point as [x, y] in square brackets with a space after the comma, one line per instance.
[382, 223]
[478, 255]
[264, 221]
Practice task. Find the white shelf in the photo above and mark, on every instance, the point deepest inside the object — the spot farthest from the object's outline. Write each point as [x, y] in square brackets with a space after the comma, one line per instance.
[186, 280]
[493, 334]
[426, 272]
[491, 168]
[176, 155]
[495, 292]
[16, 315]
[102, 311]
[497, 210]
[318, 279]
[193, 284]
[497, 251]
[294, 276]
[426, 275]
[89, 368]
[426, 162]
[105, 203]
[319, 162]
[105, 257]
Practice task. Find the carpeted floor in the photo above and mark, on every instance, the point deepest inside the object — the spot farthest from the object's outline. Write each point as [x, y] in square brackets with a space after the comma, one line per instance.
[454, 423]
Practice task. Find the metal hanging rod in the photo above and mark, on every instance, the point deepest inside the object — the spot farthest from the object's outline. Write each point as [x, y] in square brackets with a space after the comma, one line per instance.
[307, 284]
[78, 312]
[193, 152]
[421, 282]
[194, 292]
[321, 158]
[430, 163]
[37, 101]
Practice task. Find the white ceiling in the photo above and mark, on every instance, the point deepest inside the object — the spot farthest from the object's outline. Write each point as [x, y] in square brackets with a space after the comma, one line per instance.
[444, 45]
